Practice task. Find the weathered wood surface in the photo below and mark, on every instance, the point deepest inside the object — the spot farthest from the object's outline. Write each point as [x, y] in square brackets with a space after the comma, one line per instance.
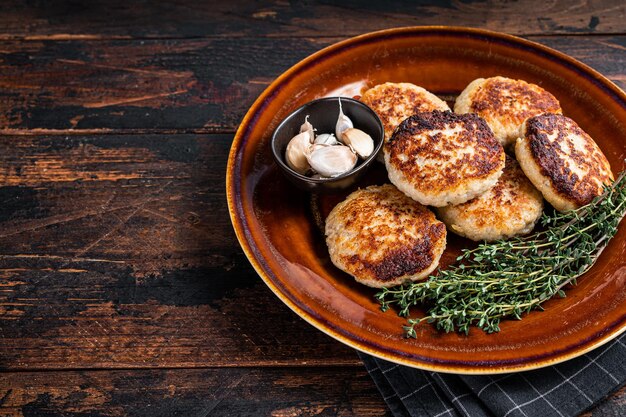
[76, 285]
[216, 392]
[117, 251]
[173, 86]
[188, 18]
[280, 392]
[123, 290]
[613, 406]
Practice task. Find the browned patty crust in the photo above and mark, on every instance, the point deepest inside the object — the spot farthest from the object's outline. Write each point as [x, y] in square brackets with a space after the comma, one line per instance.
[505, 103]
[509, 208]
[568, 157]
[500, 95]
[440, 158]
[382, 237]
[394, 102]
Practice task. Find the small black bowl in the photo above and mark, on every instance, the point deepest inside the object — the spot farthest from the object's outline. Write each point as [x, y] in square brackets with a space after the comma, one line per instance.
[323, 114]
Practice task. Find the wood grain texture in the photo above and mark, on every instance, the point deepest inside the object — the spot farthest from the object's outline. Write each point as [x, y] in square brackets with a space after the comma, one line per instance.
[279, 392]
[117, 251]
[184, 19]
[613, 406]
[75, 284]
[123, 291]
[159, 86]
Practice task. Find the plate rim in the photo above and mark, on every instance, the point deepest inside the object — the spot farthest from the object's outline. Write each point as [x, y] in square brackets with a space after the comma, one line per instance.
[246, 240]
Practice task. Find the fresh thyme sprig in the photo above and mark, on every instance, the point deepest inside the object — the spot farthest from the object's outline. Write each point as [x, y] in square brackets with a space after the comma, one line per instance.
[511, 277]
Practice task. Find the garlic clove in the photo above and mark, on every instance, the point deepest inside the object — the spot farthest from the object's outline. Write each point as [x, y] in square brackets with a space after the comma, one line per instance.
[308, 127]
[360, 142]
[296, 153]
[332, 161]
[315, 147]
[326, 139]
[343, 123]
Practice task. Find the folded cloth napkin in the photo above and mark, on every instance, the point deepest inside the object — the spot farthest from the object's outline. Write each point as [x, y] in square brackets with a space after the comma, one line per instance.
[565, 389]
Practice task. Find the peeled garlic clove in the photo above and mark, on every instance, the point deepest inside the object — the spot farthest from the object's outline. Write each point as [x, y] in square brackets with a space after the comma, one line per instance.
[359, 141]
[343, 123]
[331, 161]
[307, 127]
[296, 153]
[326, 139]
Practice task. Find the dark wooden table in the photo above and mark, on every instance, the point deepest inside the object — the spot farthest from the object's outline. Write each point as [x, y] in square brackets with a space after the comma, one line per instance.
[123, 290]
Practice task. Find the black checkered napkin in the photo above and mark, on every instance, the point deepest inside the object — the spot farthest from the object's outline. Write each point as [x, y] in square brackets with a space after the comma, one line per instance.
[566, 389]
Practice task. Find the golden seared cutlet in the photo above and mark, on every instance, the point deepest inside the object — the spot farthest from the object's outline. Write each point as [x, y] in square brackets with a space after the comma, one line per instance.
[562, 161]
[394, 102]
[383, 238]
[504, 104]
[441, 158]
[510, 208]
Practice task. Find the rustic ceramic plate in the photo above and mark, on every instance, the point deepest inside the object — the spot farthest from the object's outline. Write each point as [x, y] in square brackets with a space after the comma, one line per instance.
[277, 228]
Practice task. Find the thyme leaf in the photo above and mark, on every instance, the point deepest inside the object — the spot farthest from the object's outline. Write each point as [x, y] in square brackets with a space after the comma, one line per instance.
[508, 278]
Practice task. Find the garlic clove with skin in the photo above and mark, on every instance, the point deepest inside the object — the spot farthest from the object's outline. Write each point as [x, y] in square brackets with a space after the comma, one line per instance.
[343, 123]
[326, 139]
[360, 142]
[308, 127]
[332, 161]
[315, 147]
[296, 153]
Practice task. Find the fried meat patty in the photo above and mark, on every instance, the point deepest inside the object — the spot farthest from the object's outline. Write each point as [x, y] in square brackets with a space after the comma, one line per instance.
[510, 208]
[394, 102]
[383, 238]
[441, 158]
[562, 161]
[504, 104]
